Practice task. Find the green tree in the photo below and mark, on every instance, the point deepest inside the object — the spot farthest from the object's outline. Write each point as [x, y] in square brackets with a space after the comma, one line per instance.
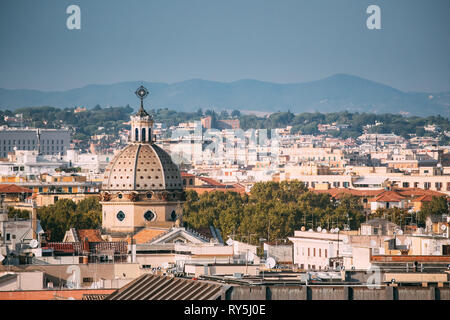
[437, 206]
[272, 210]
[17, 213]
[66, 214]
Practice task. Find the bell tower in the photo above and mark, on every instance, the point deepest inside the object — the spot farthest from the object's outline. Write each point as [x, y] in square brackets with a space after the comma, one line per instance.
[141, 122]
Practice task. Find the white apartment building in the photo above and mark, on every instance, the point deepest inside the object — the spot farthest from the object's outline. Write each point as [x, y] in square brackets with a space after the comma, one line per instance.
[28, 162]
[48, 141]
[90, 163]
[320, 250]
[313, 250]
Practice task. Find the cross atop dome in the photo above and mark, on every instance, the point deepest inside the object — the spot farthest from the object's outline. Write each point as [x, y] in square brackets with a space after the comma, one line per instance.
[142, 93]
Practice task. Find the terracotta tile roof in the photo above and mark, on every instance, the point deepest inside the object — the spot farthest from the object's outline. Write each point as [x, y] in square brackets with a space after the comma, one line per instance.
[339, 192]
[146, 235]
[210, 181]
[238, 186]
[388, 196]
[411, 192]
[424, 198]
[394, 195]
[186, 175]
[12, 188]
[67, 247]
[119, 247]
[77, 247]
[201, 190]
[93, 235]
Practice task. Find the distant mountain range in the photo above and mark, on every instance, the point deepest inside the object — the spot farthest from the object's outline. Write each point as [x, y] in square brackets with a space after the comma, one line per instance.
[336, 93]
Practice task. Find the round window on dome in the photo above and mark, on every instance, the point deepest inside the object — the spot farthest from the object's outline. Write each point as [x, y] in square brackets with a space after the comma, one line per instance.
[119, 195]
[120, 215]
[149, 195]
[149, 215]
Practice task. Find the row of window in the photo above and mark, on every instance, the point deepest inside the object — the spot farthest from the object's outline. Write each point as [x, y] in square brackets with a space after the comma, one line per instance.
[310, 267]
[143, 134]
[336, 184]
[148, 215]
[321, 158]
[10, 148]
[33, 142]
[311, 252]
[426, 185]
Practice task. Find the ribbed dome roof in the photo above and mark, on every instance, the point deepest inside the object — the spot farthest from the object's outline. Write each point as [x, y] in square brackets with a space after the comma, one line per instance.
[141, 167]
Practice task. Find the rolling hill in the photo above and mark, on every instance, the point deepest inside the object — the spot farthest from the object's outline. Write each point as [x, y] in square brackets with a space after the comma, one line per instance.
[336, 93]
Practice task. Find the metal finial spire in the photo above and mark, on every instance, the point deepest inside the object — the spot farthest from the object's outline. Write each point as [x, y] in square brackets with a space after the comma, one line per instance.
[142, 93]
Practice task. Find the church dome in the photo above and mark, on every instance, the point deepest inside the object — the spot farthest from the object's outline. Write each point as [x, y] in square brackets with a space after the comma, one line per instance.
[142, 167]
[142, 186]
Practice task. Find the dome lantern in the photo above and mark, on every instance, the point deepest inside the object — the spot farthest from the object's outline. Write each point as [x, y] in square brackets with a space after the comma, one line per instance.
[141, 122]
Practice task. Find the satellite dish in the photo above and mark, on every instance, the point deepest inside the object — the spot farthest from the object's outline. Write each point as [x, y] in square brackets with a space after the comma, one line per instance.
[324, 230]
[34, 243]
[443, 227]
[319, 229]
[400, 232]
[336, 230]
[310, 230]
[270, 263]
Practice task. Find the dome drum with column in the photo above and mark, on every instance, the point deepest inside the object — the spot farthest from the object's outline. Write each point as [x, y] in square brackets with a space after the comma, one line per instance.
[142, 196]
[142, 186]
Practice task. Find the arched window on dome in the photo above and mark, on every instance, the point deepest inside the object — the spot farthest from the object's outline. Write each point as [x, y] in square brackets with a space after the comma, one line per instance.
[143, 135]
[120, 216]
[149, 215]
[136, 134]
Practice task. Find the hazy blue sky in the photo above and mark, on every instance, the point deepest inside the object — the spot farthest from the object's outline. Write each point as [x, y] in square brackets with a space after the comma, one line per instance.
[174, 40]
